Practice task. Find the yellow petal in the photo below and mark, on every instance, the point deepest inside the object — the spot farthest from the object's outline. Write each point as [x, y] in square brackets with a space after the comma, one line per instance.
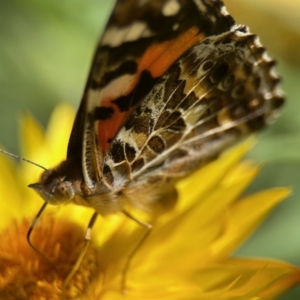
[58, 133]
[205, 179]
[244, 217]
[10, 192]
[236, 278]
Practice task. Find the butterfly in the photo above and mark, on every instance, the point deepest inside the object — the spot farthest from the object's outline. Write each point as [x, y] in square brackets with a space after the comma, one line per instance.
[173, 83]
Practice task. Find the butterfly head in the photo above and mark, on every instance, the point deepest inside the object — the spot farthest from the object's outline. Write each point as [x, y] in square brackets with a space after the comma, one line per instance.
[53, 188]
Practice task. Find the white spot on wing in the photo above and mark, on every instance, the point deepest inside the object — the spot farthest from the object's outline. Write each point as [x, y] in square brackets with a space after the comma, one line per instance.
[171, 8]
[201, 6]
[175, 26]
[138, 30]
[113, 90]
[142, 2]
[224, 11]
[115, 36]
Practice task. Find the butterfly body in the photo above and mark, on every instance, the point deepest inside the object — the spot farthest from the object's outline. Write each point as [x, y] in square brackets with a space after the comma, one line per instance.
[172, 84]
[64, 184]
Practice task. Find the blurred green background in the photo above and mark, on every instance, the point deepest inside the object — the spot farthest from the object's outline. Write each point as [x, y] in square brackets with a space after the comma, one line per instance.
[45, 53]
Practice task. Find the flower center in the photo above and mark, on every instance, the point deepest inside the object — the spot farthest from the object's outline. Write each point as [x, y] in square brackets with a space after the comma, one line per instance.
[26, 274]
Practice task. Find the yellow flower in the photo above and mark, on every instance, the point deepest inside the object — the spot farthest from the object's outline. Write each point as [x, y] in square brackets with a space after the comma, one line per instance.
[186, 256]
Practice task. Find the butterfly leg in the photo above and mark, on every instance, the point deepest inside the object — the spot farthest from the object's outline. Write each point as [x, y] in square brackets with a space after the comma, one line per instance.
[32, 226]
[135, 249]
[83, 251]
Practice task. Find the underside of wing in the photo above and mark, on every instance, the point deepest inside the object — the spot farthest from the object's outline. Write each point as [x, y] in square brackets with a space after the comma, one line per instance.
[222, 89]
[141, 41]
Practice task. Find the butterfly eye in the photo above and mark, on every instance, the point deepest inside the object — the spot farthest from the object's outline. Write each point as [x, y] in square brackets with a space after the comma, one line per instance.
[64, 191]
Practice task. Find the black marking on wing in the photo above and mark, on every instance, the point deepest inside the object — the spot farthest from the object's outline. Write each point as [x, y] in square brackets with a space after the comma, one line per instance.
[220, 72]
[117, 151]
[144, 86]
[103, 113]
[107, 173]
[157, 144]
[130, 152]
[128, 67]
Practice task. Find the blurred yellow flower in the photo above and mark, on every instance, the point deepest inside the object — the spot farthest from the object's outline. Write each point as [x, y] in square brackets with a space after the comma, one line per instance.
[185, 257]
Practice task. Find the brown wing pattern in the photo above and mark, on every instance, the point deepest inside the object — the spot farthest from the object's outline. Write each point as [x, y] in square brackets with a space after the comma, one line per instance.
[219, 91]
[173, 83]
[141, 40]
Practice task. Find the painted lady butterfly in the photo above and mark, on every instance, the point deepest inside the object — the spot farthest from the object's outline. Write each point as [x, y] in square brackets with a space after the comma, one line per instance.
[173, 83]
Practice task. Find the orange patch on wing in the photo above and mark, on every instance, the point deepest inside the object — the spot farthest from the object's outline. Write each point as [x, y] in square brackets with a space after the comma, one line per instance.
[158, 58]
[107, 129]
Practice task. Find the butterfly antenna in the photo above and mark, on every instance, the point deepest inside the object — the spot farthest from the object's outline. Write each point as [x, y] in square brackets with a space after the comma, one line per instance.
[22, 158]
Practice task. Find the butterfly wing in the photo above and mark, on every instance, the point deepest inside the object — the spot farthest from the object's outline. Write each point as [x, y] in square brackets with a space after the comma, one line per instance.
[173, 83]
[222, 89]
[141, 41]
